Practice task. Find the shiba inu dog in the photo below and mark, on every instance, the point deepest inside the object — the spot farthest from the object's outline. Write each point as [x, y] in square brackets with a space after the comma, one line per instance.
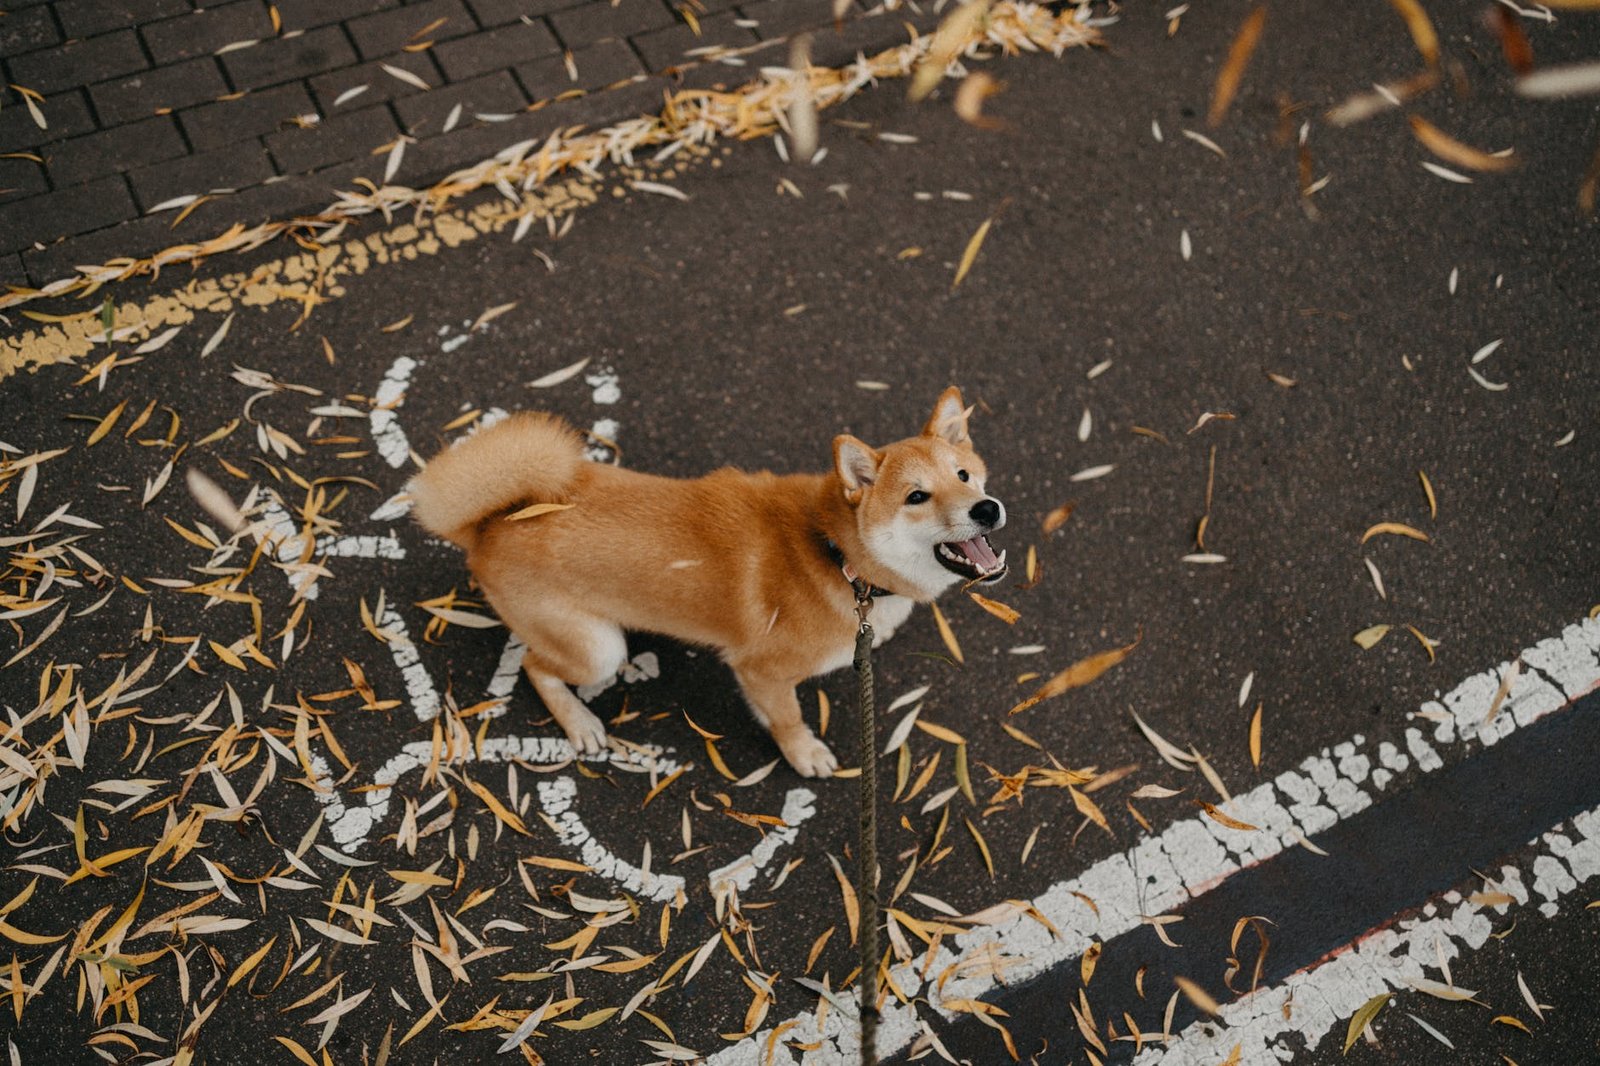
[755, 565]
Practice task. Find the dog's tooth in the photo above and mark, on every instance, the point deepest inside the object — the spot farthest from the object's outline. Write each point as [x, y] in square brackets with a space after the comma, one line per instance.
[1002, 559]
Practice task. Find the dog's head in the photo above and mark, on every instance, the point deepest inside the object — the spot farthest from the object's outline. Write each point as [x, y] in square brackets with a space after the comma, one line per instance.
[920, 505]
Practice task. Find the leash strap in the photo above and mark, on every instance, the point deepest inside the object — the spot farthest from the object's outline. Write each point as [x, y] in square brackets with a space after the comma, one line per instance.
[867, 848]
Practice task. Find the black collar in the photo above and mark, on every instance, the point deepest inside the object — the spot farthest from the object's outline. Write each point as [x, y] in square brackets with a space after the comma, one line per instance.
[864, 591]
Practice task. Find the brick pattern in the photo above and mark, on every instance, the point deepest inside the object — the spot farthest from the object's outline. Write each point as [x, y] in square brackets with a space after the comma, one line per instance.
[146, 101]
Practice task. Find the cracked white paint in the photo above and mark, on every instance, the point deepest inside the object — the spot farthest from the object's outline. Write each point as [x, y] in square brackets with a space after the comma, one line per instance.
[1194, 855]
[1321, 999]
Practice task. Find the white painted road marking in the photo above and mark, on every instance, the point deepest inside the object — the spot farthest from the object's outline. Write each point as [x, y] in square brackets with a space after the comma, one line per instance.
[1324, 996]
[1196, 854]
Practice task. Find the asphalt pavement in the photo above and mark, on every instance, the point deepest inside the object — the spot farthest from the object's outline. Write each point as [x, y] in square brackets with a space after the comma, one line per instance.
[1274, 420]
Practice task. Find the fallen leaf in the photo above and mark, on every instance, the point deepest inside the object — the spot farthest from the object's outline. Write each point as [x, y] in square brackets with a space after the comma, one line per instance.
[1363, 1018]
[1451, 150]
[1255, 737]
[1371, 635]
[1005, 613]
[1232, 73]
[1216, 815]
[970, 255]
[1426, 40]
[1397, 528]
[1078, 674]
[537, 509]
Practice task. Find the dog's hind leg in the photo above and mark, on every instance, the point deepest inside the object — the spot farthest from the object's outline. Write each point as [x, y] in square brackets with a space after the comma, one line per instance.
[579, 652]
[775, 706]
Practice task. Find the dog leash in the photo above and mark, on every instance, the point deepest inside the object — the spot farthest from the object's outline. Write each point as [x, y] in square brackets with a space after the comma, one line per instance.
[867, 846]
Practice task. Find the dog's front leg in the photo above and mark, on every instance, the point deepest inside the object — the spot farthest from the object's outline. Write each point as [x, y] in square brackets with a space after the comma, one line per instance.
[773, 702]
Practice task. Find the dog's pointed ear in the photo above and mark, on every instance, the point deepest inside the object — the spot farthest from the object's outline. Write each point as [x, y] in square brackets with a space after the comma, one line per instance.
[949, 418]
[857, 464]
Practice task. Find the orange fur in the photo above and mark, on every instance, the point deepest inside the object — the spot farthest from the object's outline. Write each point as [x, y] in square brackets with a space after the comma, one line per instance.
[735, 561]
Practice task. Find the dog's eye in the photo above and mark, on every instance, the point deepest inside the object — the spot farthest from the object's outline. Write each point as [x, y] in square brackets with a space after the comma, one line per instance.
[918, 497]
[962, 474]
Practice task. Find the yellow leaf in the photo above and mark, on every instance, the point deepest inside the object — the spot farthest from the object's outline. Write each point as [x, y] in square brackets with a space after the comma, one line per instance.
[22, 936]
[852, 911]
[1516, 1023]
[590, 1020]
[983, 846]
[226, 655]
[1078, 674]
[558, 864]
[1427, 487]
[1220, 818]
[1363, 1018]
[1232, 73]
[299, 1052]
[1397, 528]
[1089, 809]
[968, 257]
[949, 736]
[1451, 150]
[419, 877]
[106, 423]
[1005, 613]
[509, 817]
[251, 963]
[1057, 518]
[1423, 36]
[1428, 643]
[1255, 737]
[1198, 996]
[716, 760]
[537, 509]
[1371, 635]
[947, 634]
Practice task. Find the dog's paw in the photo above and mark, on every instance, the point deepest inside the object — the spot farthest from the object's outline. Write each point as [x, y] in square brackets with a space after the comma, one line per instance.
[585, 732]
[809, 756]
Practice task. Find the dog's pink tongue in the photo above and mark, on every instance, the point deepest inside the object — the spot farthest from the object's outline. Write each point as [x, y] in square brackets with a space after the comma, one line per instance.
[981, 555]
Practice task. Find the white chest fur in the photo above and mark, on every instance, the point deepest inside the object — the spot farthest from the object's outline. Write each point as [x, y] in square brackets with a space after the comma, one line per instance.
[888, 613]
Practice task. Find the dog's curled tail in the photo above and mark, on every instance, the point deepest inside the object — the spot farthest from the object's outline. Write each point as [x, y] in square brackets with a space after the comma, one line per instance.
[530, 457]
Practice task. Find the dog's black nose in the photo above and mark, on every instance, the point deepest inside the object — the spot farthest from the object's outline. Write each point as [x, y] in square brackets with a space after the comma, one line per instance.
[986, 512]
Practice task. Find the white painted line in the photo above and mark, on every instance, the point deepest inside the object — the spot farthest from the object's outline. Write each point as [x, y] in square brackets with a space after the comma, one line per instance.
[1312, 1003]
[351, 826]
[420, 689]
[385, 423]
[557, 798]
[798, 806]
[1194, 855]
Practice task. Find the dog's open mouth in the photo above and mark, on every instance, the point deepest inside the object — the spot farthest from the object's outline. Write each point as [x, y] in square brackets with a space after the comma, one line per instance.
[973, 560]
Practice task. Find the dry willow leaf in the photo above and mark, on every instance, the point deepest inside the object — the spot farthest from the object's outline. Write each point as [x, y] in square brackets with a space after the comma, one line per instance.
[975, 89]
[1255, 737]
[959, 26]
[1396, 528]
[1079, 674]
[970, 256]
[537, 509]
[1057, 518]
[556, 377]
[1363, 1018]
[1216, 815]
[947, 634]
[1421, 29]
[1370, 636]
[1427, 488]
[1232, 73]
[1004, 612]
[1451, 150]
[1197, 995]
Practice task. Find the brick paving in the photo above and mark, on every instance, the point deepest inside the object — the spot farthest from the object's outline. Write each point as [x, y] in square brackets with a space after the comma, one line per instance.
[271, 107]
